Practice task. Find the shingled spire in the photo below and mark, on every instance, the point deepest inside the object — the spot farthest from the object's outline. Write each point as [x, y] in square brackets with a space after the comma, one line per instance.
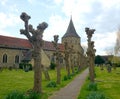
[71, 32]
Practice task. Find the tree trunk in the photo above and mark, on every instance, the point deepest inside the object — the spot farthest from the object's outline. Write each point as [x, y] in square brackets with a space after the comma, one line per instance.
[72, 66]
[67, 67]
[37, 70]
[91, 70]
[58, 72]
[46, 74]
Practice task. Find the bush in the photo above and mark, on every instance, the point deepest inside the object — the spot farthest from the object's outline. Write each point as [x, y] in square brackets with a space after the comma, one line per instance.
[15, 95]
[52, 84]
[92, 86]
[67, 77]
[34, 95]
[25, 66]
[96, 95]
[52, 66]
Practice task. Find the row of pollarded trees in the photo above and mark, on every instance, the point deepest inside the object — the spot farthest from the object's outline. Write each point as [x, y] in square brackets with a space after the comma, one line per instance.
[35, 38]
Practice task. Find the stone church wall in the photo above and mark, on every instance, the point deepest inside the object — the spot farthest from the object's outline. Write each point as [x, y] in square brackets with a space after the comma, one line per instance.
[11, 53]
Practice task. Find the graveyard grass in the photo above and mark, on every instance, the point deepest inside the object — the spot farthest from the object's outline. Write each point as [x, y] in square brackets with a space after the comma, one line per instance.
[108, 83]
[23, 81]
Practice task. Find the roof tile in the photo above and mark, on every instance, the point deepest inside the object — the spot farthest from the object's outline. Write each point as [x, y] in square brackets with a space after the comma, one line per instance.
[13, 42]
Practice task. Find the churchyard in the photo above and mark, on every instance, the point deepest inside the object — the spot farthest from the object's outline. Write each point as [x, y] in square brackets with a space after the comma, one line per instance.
[21, 81]
[41, 82]
[107, 84]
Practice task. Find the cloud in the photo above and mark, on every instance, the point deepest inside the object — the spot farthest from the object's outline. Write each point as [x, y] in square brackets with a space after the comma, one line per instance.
[103, 41]
[3, 32]
[3, 2]
[8, 20]
[102, 15]
[58, 2]
[57, 25]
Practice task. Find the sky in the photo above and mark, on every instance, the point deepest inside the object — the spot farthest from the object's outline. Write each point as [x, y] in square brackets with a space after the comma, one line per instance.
[101, 15]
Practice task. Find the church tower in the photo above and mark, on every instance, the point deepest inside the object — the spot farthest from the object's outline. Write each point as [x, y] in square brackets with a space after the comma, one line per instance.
[73, 40]
[71, 37]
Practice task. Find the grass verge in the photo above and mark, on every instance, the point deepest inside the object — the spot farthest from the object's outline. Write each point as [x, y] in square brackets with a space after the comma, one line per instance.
[108, 83]
[23, 81]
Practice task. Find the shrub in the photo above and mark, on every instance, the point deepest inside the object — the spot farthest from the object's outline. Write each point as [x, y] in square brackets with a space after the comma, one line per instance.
[15, 95]
[52, 65]
[92, 86]
[72, 74]
[52, 84]
[96, 95]
[34, 95]
[25, 66]
[65, 78]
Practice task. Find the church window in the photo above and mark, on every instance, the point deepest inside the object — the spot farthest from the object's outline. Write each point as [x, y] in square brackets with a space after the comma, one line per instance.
[5, 58]
[16, 59]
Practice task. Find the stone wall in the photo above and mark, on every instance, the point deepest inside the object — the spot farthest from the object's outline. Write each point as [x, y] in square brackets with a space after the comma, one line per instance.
[11, 53]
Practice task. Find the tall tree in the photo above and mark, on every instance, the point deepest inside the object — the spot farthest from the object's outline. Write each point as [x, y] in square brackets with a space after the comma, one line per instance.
[35, 38]
[67, 56]
[58, 58]
[90, 52]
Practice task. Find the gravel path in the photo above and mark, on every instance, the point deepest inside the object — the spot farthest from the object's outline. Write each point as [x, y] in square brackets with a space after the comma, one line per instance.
[72, 90]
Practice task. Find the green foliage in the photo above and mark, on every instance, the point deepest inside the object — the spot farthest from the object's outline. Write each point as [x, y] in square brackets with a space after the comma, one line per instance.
[19, 95]
[34, 95]
[96, 95]
[116, 64]
[25, 66]
[92, 86]
[15, 95]
[52, 84]
[52, 65]
[99, 60]
[65, 78]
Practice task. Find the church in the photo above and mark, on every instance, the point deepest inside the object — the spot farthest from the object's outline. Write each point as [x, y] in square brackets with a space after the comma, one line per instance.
[13, 50]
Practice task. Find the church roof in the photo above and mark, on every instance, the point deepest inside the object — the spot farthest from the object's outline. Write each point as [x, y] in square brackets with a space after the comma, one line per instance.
[71, 32]
[19, 43]
[13, 42]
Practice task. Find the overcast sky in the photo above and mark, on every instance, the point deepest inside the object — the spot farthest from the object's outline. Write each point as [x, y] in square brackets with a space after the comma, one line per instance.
[102, 15]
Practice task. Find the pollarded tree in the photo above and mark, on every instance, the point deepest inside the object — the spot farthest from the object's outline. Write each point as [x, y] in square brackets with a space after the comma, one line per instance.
[67, 56]
[58, 58]
[35, 38]
[90, 52]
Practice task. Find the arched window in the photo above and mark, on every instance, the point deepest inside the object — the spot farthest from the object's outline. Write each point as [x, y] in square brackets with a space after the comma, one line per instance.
[5, 58]
[16, 59]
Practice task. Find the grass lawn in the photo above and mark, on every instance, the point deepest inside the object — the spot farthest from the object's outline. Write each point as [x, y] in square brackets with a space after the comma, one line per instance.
[108, 83]
[23, 81]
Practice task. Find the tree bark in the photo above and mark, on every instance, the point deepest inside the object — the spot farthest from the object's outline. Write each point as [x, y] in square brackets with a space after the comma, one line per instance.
[58, 73]
[37, 70]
